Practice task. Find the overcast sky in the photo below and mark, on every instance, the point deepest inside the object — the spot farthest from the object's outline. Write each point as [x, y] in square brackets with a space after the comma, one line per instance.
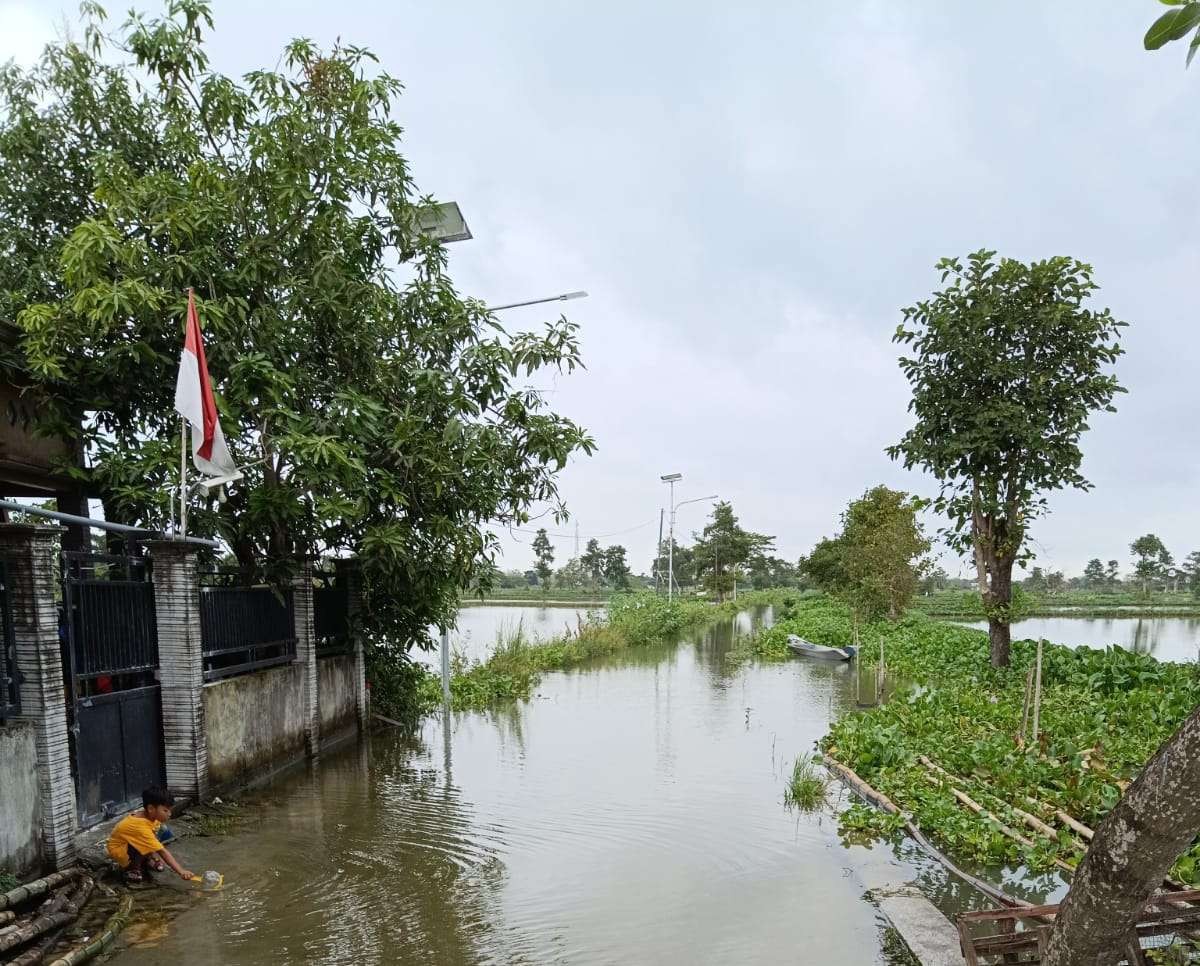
[752, 192]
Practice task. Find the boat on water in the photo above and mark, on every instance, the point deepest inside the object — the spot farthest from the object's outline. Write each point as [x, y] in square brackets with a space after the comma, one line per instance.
[807, 648]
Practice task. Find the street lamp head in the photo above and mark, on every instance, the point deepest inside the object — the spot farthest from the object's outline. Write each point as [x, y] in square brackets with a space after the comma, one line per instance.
[572, 295]
[671, 477]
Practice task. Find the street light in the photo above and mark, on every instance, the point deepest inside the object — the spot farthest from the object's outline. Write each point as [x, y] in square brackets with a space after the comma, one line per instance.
[566, 297]
[444, 223]
[671, 479]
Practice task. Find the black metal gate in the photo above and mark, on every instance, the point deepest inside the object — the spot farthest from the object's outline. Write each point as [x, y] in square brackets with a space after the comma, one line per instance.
[110, 653]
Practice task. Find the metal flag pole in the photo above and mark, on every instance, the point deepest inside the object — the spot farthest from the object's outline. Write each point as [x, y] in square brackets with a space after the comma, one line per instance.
[183, 476]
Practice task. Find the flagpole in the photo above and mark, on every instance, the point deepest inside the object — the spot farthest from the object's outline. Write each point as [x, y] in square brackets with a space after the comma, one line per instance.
[183, 477]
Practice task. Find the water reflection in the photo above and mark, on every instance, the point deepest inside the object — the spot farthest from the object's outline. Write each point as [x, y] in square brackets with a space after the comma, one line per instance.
[1166, 638]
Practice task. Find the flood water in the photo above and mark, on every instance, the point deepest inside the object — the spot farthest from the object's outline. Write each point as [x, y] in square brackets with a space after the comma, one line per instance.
[632, 812]
[1166, 638]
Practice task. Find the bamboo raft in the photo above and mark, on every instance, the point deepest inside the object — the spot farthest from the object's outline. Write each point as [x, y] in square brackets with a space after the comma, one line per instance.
[1020, 929]
[1020, 935]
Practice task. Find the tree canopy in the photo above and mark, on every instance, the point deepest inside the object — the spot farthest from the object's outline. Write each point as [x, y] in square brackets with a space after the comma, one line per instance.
[1006, 364]
[1182, 19]
[877, 561]
[723, 548]
[374, 409]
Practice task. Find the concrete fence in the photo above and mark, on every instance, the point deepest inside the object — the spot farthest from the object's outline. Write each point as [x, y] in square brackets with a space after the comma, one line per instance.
[213, 732]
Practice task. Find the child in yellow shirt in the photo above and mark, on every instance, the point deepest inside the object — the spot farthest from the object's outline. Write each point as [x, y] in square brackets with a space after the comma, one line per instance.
[134, 843]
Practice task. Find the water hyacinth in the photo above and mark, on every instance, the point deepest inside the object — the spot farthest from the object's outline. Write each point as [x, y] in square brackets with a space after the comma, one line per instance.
[1103, 714]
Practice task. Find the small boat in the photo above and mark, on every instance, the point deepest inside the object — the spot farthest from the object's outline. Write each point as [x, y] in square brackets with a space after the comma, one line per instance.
[809, 649]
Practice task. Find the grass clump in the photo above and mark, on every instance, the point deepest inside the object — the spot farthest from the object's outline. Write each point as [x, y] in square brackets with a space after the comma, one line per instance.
[8, 881]
[513, 670]
[806, 787]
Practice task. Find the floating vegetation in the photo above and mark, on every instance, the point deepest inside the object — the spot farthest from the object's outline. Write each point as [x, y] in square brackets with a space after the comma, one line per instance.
[951, 752]
[806, 787]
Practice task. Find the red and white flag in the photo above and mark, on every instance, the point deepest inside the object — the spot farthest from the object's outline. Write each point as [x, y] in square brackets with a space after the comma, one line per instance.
[194, 402]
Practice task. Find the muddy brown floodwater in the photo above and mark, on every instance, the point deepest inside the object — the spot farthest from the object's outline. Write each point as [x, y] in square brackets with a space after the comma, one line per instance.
[632, 812]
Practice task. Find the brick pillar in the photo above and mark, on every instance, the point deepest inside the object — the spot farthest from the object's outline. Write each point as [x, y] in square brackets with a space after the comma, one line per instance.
[306, 654]
[181, 666]
[349, 575]
[31, 556]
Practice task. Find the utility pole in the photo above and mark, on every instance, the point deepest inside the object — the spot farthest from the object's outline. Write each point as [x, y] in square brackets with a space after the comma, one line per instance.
[671, 479]
[576, 539]
[658, 551]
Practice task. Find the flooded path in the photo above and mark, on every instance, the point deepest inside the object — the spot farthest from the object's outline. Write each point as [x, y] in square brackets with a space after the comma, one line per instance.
[630, 813]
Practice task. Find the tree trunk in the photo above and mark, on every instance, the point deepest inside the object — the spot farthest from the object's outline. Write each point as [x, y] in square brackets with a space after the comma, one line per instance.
[1134, 848]
[999, 603]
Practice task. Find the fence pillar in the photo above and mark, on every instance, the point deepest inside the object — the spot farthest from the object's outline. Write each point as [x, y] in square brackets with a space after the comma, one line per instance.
[306, 654]
[32, 557]
[181, 667]
[349, 575]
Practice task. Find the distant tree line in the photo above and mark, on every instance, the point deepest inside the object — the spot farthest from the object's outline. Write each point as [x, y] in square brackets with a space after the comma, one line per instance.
[1153, 568]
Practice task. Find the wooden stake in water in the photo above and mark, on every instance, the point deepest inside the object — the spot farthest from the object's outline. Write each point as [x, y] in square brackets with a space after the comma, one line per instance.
[446, 666]
[1026, 704]
[881, 675]
[1037, 692]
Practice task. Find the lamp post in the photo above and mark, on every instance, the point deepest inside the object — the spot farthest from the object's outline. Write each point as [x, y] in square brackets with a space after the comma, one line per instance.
[671, 479]
[565, 297]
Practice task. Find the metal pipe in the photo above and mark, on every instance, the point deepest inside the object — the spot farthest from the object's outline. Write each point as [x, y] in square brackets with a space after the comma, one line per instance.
[37, 511]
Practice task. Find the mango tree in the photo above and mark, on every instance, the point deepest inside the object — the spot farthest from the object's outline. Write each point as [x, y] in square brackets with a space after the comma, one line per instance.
[374, 409]
[1006, 364]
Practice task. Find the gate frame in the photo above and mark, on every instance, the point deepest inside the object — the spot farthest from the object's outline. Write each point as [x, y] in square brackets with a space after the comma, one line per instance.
[73, 566]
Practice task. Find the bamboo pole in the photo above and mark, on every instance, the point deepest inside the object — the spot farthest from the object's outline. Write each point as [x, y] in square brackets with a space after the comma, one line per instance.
[1032, 821]
[1037, 693]
[38, 887]
[879, 674]
[116, 923]
[58, 912]
[1025, 705]
[880, 800]
[1004, 829]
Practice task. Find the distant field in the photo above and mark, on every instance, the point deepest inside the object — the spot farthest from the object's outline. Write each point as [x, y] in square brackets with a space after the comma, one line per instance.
[959, 603]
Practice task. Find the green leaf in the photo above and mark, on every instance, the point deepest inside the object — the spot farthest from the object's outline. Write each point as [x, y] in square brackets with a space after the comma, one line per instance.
[1192, 49]
[1172, 25]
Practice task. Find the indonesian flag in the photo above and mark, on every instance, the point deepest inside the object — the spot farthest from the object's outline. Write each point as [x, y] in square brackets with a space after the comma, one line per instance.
[194, 402]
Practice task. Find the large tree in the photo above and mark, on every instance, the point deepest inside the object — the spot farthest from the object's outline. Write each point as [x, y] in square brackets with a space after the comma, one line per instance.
[723, 548]
[616, 570]
[1135, 846]
[1191, 572]
[1159, 815]
[1152, 560]
[877, 561]
[374, 409]
[884, 552]
[592, 561]
[543, 553]
[1094, 577]
[1007, 363]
